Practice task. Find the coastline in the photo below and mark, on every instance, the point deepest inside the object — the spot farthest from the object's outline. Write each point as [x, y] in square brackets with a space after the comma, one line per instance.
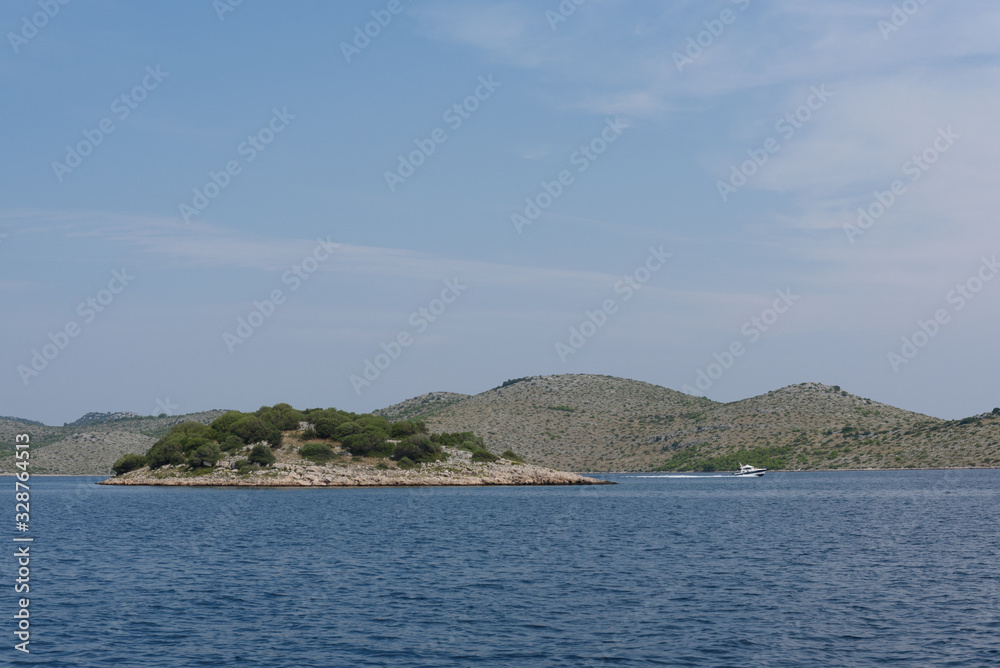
[582, 474]
[456, 471]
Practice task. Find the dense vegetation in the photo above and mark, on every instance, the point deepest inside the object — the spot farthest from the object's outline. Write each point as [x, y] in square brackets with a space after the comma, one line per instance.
[201, 446]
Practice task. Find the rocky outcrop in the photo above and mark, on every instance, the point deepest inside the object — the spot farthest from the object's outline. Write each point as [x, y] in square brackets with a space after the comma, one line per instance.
[458, 470]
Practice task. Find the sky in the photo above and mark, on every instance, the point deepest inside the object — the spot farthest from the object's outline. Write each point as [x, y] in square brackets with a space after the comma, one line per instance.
[222, 204]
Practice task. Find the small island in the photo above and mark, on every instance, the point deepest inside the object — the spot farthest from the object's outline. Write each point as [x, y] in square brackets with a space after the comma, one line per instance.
[279, 446]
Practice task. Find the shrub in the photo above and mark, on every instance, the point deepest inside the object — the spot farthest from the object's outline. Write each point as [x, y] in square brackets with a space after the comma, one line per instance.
[344, 429]
[373, 423]
[190, 427]
[417, 448]
[224, 423]
[251, 429]
[240, 463]
[510, 455]
[310, 433]
[182, 440]
[484, 456]
[281, 416]
[325, 427]
[165, 452]
[204, 456]
[405, 463]
[404, 428]
[232, 443]
[261, 454]
[317, 452]
[458, 439]
[362, 445]
[128, 463]
[274, 438]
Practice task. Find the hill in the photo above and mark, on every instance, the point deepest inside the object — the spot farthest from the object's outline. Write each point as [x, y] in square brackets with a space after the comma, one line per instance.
[601, 423]
[421, 407]
[89, 448]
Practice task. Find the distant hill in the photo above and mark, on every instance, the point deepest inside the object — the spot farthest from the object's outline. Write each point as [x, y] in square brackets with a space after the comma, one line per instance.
[601, 423]
[94, 418]
[89, 448]
[421, 407]
[17, 419]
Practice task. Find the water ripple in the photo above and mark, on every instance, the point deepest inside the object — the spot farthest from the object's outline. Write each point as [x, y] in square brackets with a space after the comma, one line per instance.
[837, 569]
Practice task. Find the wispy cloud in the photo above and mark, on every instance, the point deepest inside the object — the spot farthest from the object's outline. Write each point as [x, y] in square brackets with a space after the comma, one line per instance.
[768, 44]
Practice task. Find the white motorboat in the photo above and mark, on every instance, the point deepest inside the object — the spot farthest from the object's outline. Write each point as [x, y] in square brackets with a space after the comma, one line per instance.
[748, 471]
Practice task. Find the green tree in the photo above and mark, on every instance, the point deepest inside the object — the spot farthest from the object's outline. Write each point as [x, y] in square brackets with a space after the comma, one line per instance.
[362, 445]
[317, 452]
[224, 423]
[403, 428]
[128, 463]
[165, 452]
[281, 416]
[251, 429]
[417, 448]
[232, 443]
[326, 427]
[373, 423]
[204, 456]
[346, 429]
[190, 427]
[261, 454]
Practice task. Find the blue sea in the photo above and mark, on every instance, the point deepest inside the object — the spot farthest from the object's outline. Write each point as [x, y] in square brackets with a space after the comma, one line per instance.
[792, 569]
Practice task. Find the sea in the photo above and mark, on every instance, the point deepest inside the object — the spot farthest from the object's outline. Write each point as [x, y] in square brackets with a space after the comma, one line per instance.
[792, 569]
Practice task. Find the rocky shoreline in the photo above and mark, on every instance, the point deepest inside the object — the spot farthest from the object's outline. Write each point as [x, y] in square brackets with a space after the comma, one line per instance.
[458, 470]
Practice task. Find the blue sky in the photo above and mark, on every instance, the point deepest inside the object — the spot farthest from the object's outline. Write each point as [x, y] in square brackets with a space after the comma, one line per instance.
[621, 189]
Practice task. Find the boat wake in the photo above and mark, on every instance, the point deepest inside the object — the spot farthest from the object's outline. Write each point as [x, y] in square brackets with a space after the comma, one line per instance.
[684, 476]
